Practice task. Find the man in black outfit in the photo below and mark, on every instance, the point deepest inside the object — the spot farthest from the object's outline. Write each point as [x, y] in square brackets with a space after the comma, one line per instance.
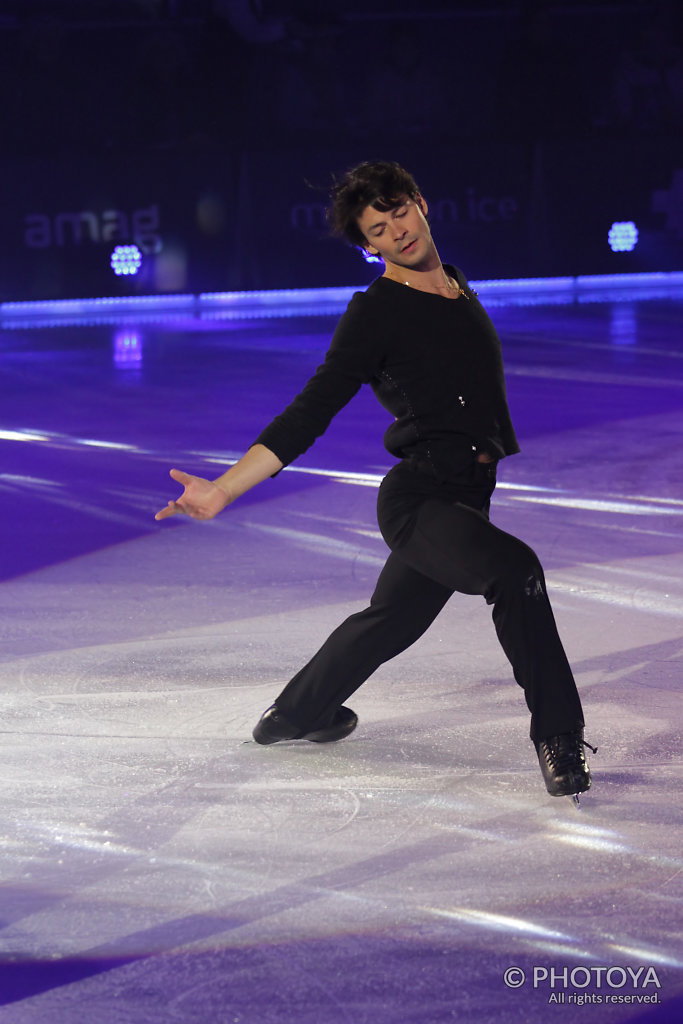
[419, 336]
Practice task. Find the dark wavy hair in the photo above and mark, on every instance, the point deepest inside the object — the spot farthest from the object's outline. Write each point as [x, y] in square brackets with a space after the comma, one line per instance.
[378, 183]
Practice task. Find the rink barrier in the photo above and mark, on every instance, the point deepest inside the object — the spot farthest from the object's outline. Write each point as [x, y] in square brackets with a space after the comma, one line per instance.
[332, 301]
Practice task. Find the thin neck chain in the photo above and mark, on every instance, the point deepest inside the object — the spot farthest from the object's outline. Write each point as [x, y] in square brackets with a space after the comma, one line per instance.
[451, 286]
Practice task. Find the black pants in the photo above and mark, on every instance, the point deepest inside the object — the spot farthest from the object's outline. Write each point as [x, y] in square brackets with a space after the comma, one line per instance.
[442, 541]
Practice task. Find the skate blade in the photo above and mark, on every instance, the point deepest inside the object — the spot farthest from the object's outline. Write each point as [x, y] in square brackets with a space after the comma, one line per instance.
[575, 800]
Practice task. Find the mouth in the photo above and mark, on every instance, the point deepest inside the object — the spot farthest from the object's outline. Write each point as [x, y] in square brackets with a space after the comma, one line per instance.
[409, 247]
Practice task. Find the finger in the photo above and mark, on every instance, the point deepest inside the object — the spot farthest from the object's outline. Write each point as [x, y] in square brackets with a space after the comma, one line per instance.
[171, 510]
[180, 477]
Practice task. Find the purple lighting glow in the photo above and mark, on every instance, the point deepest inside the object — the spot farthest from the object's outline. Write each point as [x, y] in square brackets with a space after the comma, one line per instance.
[127, 348]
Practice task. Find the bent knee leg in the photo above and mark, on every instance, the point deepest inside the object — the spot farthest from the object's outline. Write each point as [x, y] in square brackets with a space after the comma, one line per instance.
[519, 573]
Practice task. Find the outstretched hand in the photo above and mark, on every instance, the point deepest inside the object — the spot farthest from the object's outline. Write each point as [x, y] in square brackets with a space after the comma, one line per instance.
[201, 499]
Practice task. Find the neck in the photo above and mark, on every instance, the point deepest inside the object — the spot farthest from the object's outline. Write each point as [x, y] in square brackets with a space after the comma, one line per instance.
[428, 274]
[434, 280]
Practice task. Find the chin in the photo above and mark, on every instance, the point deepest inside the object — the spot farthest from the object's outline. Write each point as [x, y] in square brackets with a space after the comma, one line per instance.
[414, 264]
[415, 258]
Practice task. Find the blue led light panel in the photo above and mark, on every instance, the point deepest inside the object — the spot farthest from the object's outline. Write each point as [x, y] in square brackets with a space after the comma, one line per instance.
[126, 259]
[623, 236]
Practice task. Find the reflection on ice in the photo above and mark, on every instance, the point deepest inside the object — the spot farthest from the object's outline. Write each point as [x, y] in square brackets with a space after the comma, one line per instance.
[498, 922]
[21, 435]
[618, 507]
[594, 843]
[647, 956]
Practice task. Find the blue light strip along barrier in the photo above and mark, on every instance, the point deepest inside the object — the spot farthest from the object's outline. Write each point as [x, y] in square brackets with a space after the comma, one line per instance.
[90, 307]
[673, 278]
[289, 302]
[331, 301]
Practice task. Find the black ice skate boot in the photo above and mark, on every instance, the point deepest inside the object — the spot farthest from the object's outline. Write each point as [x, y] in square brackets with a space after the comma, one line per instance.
[563, 764]
[272, 727]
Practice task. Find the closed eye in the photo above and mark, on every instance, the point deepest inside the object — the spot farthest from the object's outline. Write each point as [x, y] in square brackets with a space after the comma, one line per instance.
[376, 230]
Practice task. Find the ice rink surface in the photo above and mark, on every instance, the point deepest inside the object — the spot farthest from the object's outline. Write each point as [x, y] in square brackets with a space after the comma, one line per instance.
[158, 866]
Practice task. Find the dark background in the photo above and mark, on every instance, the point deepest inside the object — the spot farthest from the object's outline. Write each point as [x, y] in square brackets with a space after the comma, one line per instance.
[208, 131]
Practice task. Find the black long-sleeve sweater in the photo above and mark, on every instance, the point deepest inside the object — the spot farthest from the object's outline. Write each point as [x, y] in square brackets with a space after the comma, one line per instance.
[434, 363]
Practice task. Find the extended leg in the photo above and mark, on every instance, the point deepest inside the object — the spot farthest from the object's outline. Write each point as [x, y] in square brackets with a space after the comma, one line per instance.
[403, 606]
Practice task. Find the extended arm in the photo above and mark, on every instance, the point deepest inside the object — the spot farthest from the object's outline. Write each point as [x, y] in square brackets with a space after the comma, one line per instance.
[204, 499]
[352, 359]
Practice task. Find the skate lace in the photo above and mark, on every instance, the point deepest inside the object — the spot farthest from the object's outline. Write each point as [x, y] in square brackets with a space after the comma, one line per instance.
[566, 751]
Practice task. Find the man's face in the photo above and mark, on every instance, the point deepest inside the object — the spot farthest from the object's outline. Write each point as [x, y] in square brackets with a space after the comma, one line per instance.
[401, 235]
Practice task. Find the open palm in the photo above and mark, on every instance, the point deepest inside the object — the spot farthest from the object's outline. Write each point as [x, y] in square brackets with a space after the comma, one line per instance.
[201, 499]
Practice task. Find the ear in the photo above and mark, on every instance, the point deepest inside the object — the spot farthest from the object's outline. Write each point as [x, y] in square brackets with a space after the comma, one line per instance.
[422, 204]
[371, 249]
